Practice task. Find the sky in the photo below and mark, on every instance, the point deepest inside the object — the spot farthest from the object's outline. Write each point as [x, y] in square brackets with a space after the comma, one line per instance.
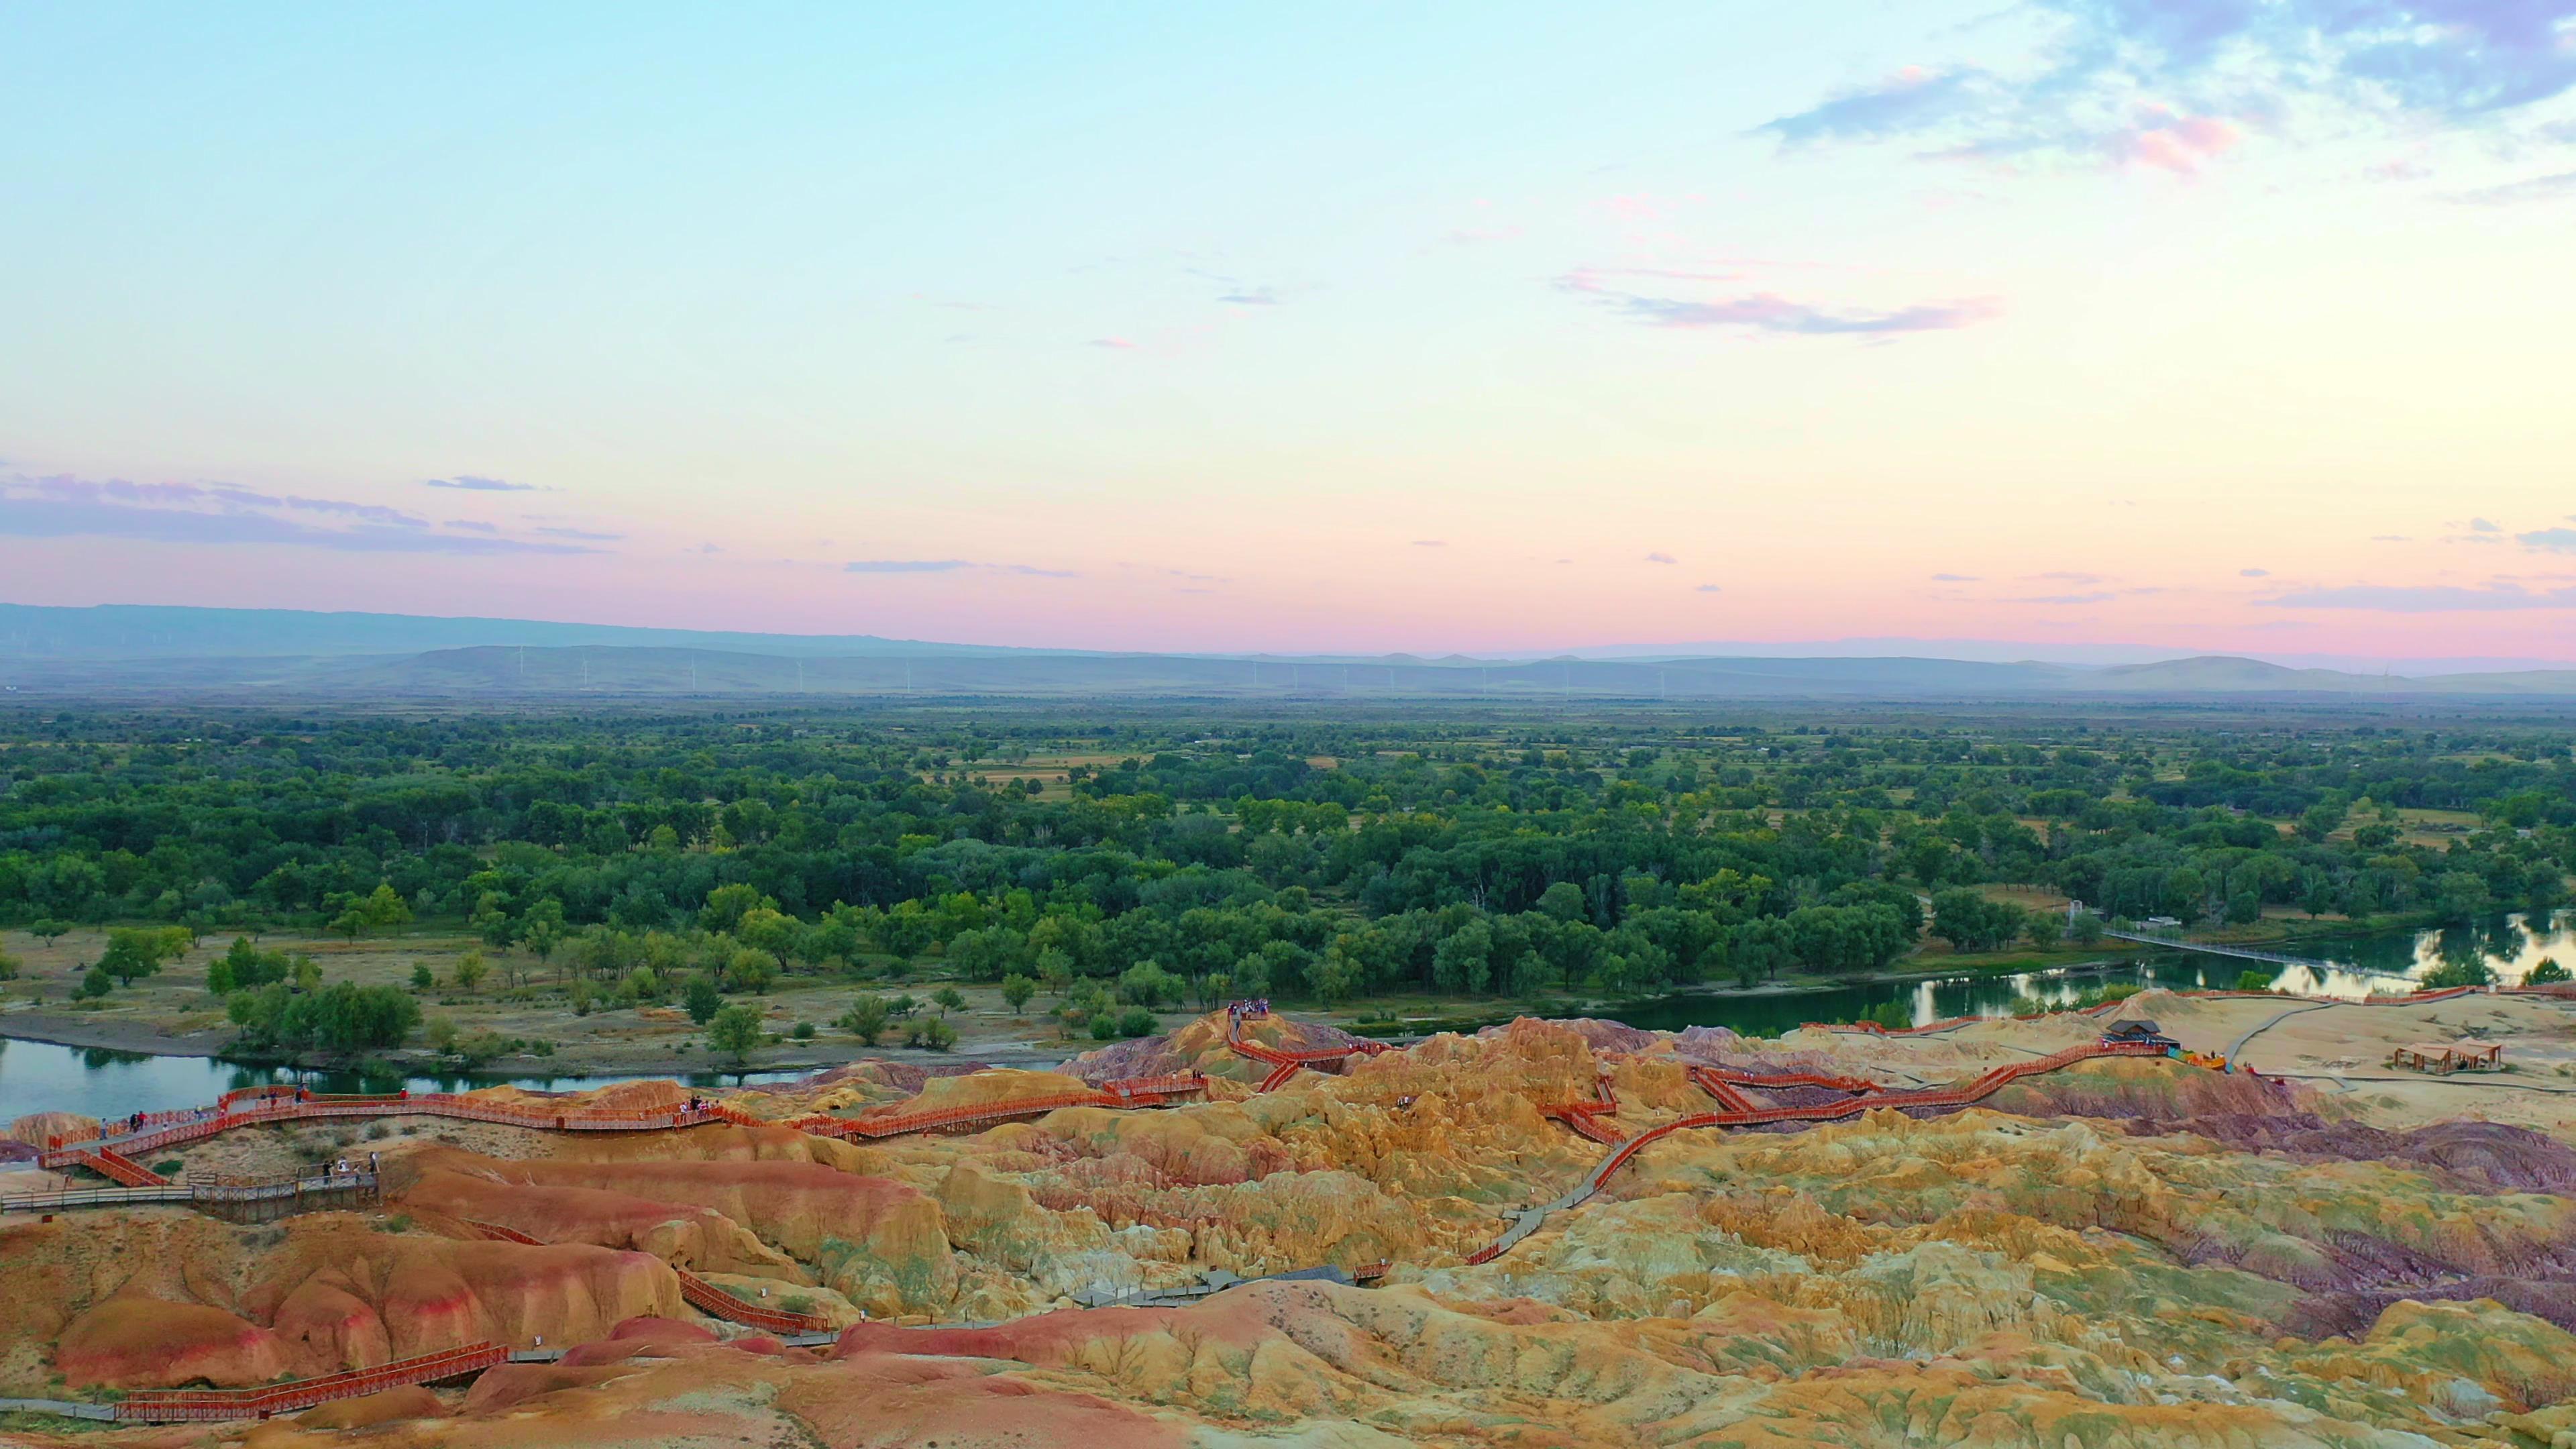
[2215, 325]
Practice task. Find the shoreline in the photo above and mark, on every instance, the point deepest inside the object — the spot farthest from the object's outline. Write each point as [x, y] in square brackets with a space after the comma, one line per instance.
[139, 1039]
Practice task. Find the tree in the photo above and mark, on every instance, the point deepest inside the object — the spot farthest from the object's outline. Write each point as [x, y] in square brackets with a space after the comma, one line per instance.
[727, 904]
[2545, 972]
[775, 932]
[866, 1018]
[1970, 922]
[1563, 901]
[1149, 985]
[932, 1033]
[421, 977]
[470, 970]
[135, 952]
[8, 966]
[2459, 970]
[2252, 980]
[1016, 990]
[382, 909]
[49, 930]
[948, 999]
[2086, 930]
[987, 954]
[702, 998]
[736, 1031]
[2459, 895]
[95, 985]
[541, 930]
[751, 970]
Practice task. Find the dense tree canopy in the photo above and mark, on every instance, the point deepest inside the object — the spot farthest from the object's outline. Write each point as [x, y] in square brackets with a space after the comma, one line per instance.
[1300, 854]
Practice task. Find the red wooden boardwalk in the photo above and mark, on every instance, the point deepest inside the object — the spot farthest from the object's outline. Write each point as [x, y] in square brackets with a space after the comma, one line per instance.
[697, 1291]
[172, 1406]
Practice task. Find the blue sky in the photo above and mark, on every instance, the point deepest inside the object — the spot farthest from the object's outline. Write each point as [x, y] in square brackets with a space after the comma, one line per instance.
[2216, 324]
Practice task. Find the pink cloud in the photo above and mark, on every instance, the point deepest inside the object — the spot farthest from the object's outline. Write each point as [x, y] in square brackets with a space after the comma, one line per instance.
[2167, 142]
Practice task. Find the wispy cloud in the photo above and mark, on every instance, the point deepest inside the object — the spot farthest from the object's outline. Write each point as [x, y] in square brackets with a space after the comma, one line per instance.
[591, 534]
[1709, 589]
[1660, 558]
[1431, 543]
[1913, 99]
[2426, 598]
[2069, 576]
[473, 524]
[1117, 344]
[2253, 573]
[2480, 525]
[2554, 186]
[2091, 598]
[474, 484]
[1955, 578]
[949, 565]
[2172, 83]
[1769, 312]
[2560, 540]
[222, 513]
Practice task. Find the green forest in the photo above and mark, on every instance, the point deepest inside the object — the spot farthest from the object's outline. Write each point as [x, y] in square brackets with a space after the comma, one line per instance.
[1320, 854]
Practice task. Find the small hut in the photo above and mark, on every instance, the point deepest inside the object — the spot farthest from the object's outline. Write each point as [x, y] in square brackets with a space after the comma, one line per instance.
[2443, 1058]
[2137, 1031]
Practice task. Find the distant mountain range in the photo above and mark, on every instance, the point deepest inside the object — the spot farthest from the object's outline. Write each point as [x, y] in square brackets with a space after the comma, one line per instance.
[129, 651]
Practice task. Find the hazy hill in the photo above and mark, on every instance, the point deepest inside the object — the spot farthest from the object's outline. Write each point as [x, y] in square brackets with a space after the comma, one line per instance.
[146, 631]
[251, 653]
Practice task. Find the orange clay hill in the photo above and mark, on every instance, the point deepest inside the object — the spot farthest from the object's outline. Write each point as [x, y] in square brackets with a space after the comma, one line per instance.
[1545, 1234]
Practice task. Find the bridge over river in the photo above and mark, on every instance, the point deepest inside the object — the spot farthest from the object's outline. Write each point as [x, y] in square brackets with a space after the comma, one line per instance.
[2248, 953]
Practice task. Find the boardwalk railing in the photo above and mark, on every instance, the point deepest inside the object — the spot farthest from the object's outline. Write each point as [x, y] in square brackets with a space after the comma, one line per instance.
[173, 1406]
[335, 1187]
[1963, 1094]
[1283, 1063]
[697, 1291]
[151, 1132]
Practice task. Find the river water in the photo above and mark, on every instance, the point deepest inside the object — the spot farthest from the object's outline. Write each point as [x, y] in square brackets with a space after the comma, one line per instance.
[42, 1077]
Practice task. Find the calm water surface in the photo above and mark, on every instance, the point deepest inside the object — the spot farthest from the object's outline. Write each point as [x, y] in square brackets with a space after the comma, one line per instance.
[41, 1077]
[38, 1076]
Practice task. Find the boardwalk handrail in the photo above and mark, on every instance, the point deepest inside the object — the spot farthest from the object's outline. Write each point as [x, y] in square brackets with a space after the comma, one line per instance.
[189, 1192]
[171, 1406]
[693, 1289]
[1963, 1094]
[1283, 1063]
[260, 1106]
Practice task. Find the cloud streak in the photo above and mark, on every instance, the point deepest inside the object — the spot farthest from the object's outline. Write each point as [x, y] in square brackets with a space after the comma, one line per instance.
[2171, 84]
[474, 484]
[949, 566]
[2426, 598]
[1772, 314]
[190, 513]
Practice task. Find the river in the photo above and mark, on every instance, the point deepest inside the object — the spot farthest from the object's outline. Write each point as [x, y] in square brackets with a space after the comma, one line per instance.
[42, 1077]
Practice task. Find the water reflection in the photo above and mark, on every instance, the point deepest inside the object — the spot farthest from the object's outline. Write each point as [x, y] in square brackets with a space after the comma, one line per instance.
[2510, 945]
[39, 1076]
